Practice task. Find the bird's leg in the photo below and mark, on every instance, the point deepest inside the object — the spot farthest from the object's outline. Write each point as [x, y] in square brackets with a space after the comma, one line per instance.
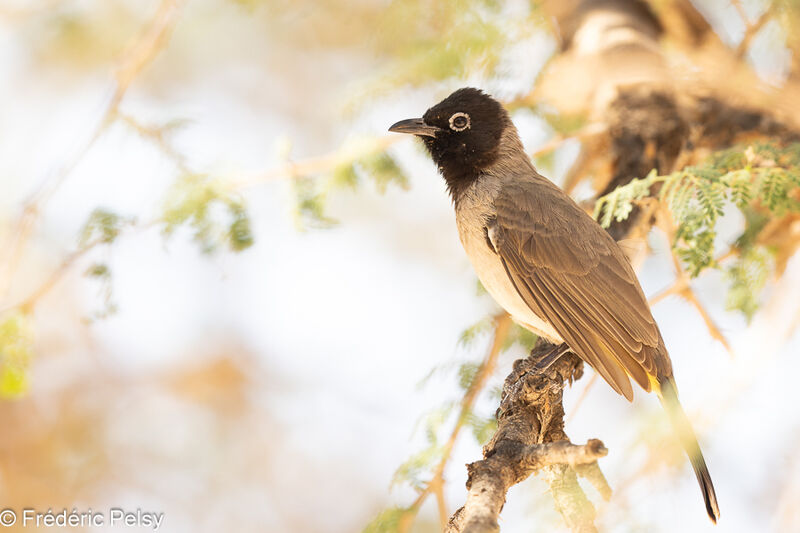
[548, 359]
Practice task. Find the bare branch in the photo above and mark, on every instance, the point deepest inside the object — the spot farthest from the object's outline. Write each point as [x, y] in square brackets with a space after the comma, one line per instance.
[316, 165]
[752, 29]
[67, 264]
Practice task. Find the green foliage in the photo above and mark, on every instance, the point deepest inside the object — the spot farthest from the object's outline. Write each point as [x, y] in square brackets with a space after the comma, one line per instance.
[517, 335]
[451, 38]
[344, 177]
[483, 427]
[466, 374]
[384, 171]
[214, 212]
[563, 123]
[16, 351]
[240, 235]
[84, 35]
[480, 290]
[312, 192]
[545, 162]
[101, 273]
[422, 462]
[618, 204]
[310, 200]
[481, 327]
[521, 337]
[102, 226]
[761, 180]
[387, 521]
[747, 277]
[417, 468]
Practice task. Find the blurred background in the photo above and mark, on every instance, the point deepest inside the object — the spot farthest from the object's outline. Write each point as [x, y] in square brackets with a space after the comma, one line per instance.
[228, 295]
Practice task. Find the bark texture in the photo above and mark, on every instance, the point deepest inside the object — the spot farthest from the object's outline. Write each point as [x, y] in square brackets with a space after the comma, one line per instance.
[530, 438]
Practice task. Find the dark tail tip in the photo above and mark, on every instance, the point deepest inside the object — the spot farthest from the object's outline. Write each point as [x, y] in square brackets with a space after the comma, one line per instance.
[706, 485]
[669, 398]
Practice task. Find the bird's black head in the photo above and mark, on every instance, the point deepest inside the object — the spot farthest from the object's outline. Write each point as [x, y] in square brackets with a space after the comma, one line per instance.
[462, 133]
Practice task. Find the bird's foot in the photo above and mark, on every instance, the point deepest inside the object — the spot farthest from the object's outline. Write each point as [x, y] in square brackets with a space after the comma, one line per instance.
[549, 358]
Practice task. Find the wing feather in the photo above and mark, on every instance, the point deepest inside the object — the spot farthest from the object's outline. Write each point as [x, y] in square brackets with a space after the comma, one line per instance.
[569, 271]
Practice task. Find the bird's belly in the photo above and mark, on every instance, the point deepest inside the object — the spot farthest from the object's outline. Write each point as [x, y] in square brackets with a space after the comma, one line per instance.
[494, 278]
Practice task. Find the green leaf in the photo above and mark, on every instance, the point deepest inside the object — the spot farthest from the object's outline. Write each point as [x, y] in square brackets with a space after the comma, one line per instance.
[482, 427]
[761, 180]
[214, 212]
[240, 235]
[466, 374]
[747, 277]
[310, 202]
[412, 470]
[102, 225]
[469, 335]
[387, 521]
[16, 352]
[564, 123]
[523, 337]
[102, 274]
[383, 169]
[345, 177]
[98, 270]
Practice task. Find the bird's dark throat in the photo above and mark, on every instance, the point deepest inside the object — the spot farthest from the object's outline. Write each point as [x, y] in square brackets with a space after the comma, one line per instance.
[459, 167]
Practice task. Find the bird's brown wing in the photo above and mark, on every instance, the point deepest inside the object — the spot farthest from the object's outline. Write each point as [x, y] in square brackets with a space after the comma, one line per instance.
[572, 273]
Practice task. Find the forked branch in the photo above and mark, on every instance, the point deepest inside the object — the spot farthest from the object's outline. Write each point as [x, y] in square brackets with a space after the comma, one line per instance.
[530, 437]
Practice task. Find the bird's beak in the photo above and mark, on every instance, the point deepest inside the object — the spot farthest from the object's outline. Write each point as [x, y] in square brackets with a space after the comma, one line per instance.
[414, 126]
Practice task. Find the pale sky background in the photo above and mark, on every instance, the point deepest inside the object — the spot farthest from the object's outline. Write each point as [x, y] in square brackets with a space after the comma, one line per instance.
[337, 326]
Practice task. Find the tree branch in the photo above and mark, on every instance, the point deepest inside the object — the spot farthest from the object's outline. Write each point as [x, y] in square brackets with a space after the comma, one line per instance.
[502, 323]
[530, 437]
[752, 29]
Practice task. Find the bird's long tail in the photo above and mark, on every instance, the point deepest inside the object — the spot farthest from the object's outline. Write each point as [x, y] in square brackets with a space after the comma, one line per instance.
[668, 395]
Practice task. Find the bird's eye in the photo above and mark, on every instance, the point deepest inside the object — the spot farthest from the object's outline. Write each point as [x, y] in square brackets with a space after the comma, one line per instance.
[459, 122]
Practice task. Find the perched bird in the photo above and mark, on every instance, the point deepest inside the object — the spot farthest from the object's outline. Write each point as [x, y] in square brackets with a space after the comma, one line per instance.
[545, 260]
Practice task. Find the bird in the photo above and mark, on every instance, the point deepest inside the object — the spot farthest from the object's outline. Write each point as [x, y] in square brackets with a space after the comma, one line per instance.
[544, 260]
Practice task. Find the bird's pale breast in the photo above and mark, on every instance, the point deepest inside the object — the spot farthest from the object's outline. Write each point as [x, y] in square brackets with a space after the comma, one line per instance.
[473, 209]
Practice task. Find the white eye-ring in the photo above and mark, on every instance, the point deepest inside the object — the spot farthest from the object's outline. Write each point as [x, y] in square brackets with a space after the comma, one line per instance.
[459, 122]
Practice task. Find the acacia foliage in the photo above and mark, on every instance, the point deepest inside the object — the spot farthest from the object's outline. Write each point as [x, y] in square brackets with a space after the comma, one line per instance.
[760, 180]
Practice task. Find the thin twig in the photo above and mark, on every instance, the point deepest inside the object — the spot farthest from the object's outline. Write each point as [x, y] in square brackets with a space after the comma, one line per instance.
[684, 289]
[737, 4]
[502, 323]
[157, 135]
[681, 283]
[588, 131]
[346, 154]
[28, 304]
[712, 327]
[438, 489]
[140, 54]
[751, 29]
[678, 286]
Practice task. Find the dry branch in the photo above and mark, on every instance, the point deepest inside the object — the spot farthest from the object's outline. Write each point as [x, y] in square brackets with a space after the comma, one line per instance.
[530, 437]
